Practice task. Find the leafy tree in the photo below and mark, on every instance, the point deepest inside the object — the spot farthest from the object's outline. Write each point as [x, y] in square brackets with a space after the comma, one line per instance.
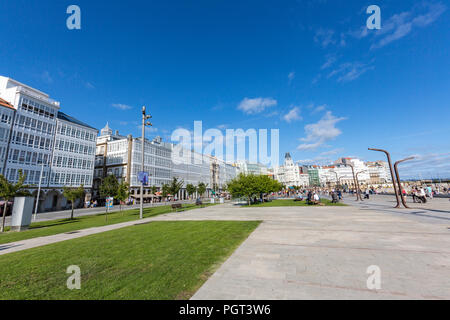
[153, 189]
[250, 186]
[72, 194]
[10, 190]
[190, 188]
[165, 190]
[175, 186]
[109, 188]
[123, 192]
[201, 188]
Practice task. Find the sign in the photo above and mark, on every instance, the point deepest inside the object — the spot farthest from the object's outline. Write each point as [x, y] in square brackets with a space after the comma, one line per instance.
[143, 178]
[110, 202]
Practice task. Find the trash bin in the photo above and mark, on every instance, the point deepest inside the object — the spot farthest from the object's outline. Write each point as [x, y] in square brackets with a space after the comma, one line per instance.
[22, 213]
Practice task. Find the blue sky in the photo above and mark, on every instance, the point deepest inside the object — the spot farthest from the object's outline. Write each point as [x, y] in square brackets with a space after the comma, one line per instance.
[309, 68]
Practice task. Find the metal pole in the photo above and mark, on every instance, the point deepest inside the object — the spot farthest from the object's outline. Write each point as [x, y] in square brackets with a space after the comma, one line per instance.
[141, 204]
[145, 117]
[392, 174]
[38, 194]
[357, 181]
[398, 179]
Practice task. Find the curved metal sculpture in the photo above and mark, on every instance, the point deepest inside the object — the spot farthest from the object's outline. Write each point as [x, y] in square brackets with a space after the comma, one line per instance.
[398, 180]
[392, 174]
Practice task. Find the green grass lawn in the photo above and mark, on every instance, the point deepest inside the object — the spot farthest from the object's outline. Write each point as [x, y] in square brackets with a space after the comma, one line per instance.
[46, 228]
[157, 261]
[292, 203]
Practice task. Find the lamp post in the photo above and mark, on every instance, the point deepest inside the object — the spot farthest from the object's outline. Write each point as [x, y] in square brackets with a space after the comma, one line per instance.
[398, 179]
[392, 174]
[145, 123]
[337, 178]
[357, 181]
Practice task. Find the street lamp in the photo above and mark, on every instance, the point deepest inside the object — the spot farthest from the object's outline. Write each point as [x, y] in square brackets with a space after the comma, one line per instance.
[145, 123]
[398, 179]
[337, 178]
[392, 174]
[357, 181]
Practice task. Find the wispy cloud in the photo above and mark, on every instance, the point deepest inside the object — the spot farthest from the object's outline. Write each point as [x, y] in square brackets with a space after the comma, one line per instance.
[401, 24]
[45, 76]
[350, 71]
[256, 105]
[324, 37]
[89, 85]
[291, 76]
[317, 134]
[330, 60]
[121, 106]
[293, 115]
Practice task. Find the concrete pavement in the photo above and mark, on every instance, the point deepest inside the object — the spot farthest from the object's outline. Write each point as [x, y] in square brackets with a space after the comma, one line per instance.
[322, 252]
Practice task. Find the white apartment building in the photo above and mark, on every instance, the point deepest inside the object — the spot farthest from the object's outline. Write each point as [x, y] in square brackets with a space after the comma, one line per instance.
[290, 174]
[6, 118]
[122, 157]
[246, 167]
[31, 144]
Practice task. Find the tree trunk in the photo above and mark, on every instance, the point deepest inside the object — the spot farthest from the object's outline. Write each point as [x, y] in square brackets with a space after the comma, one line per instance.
[71, 215]
[4, 216]
[121, 208]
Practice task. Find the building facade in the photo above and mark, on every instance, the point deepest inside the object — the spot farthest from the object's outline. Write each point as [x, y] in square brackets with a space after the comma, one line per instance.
[35, 147]
[291, 174]
[122, 156]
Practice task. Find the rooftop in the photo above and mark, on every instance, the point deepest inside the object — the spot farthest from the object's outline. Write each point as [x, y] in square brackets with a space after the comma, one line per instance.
[65, 117]
[6, 104]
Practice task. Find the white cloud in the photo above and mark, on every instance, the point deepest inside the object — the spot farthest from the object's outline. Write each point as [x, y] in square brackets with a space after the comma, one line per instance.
[121, 106]
[319, 133]
[400, 25]
[256, 105]
[291, 76]
[324, 37]
[350, 71]
[46, 77]
[331, 59]
[292, 115]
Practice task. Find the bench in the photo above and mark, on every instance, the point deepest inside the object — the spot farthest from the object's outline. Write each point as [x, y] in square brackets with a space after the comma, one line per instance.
[177, 206]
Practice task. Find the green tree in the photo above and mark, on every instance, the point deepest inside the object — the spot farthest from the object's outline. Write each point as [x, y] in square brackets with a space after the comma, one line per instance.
[123, 192]
[153, 189]
[201, 188]
[72, 194]
[175, 186]
[10, 190]
[250, 186]
[190, 188]
[165, 190]
[109, 188]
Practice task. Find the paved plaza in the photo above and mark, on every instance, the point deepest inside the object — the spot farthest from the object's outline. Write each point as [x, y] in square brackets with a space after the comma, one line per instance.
[323, 252]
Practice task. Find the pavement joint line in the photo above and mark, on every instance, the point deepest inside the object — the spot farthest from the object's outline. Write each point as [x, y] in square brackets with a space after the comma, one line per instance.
[381, 291]
[361, 231]
[352, 248]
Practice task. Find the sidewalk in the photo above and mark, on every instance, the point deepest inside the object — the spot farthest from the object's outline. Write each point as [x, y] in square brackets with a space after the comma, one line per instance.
[55, 215]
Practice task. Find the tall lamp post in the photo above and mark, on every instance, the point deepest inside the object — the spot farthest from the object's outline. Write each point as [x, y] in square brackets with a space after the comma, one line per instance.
[398, 179]
[355, 181]
[337, 178]
[392, 174]
[145, 123]
[359, 197]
